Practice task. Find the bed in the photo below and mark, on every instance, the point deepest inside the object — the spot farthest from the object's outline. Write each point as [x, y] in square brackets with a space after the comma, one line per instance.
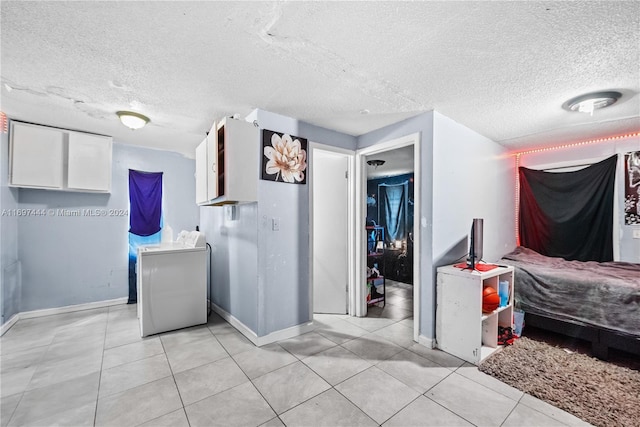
[595, 301]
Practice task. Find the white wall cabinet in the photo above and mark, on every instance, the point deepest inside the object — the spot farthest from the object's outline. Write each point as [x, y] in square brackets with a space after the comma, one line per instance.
[58, 159]
[201, 173]
[230, 172]
[462, 329]
[37, 156]
[89, 162]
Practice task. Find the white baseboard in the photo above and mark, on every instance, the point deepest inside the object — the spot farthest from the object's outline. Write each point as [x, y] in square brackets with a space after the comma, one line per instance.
[9, 323]
[427, 342]
[266, 339]
[284, 334]
[60, 310]
[71, 308]
[241, 327]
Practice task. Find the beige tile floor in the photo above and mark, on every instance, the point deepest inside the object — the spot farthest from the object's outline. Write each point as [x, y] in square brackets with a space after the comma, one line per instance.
[92, 368]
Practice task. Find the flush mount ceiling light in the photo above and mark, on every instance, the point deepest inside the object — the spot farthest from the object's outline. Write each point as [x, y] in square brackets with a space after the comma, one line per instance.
[591, 101]
[375, 162]
[132, 120]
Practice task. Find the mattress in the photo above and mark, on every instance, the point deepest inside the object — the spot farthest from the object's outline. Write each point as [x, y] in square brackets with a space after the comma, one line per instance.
[605, 295]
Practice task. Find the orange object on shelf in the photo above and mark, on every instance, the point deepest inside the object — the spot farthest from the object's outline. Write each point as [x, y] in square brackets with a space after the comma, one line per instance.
[490, 299]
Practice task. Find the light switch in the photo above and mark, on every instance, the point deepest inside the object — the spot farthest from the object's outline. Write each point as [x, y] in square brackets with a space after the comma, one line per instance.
[275, 224]
[636, 233]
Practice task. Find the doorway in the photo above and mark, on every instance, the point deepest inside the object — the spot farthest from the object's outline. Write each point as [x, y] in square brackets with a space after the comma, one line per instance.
[331, 218]
[387, 237]
[389, 225]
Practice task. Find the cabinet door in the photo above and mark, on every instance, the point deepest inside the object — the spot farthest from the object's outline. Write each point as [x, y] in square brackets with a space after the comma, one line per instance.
[201, 172]
[212, 163]
[89, 162]
[243, 160]
[37, 156]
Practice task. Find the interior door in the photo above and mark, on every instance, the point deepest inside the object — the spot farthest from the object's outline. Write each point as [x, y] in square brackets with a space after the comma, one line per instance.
[330, 231]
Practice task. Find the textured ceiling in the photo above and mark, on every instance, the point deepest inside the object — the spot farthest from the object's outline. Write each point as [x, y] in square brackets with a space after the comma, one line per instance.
[502, 69]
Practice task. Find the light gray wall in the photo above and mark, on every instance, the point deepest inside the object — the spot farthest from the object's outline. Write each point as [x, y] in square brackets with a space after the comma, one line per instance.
[272, 265]
[629, 247]
[234, 259]
[10, 284]
[473, 177]
[79, 259]
[283, 256]
[464, 175]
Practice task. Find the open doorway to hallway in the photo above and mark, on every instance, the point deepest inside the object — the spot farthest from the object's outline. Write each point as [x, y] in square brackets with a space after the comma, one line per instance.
[389, 232]
[397, 252]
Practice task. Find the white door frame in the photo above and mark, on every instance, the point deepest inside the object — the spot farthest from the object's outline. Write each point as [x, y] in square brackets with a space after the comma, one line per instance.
[313, 146]
[358, 297]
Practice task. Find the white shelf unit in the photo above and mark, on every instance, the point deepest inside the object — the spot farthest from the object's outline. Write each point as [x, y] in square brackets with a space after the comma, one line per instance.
[227, 164]
[462, 329]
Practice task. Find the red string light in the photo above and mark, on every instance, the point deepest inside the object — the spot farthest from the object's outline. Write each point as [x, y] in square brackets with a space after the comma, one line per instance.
[577, 144]
[517, 156]
[4, 123]
[517, 199]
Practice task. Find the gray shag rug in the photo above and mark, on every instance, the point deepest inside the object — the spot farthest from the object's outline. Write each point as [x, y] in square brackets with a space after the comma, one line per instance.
[598, 392]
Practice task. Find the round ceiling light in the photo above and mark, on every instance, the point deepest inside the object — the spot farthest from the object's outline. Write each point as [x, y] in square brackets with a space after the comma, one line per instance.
[592, 101]
[132, 120]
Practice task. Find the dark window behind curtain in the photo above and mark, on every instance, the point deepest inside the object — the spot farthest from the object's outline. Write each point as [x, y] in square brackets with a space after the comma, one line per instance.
[393, 202]
[570, 214]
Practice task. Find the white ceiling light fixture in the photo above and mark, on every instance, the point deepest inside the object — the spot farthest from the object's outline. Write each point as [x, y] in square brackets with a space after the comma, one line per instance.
[133, 120]
[590, 102]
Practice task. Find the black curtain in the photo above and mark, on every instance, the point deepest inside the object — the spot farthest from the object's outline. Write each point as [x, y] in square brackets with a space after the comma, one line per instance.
[570, 214]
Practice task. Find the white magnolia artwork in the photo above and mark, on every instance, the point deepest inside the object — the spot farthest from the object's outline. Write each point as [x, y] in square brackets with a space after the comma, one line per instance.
[284, 158]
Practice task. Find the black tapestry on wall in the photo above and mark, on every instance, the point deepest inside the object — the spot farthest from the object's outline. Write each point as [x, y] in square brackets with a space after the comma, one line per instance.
[569, 214]
[393, 210]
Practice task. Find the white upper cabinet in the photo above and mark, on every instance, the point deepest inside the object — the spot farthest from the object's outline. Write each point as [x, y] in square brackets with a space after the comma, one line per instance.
[201, 173]
[232, 164]
[59, 159]
[89, 162]
[37, 156]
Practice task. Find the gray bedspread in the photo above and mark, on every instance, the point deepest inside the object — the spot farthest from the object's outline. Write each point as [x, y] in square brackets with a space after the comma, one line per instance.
[601, 294]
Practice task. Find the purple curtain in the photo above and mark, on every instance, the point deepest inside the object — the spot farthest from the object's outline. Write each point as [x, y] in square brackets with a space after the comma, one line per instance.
[145, 198]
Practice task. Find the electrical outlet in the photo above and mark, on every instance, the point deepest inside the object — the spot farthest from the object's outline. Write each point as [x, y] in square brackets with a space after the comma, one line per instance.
[636, 233]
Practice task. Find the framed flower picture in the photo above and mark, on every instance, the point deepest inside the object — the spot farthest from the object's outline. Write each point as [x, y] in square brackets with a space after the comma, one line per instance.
[284, 158]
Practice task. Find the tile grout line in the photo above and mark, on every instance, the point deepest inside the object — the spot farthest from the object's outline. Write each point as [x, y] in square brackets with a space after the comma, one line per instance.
[247, 376]
[489, 388]
[104, 342]
[173, 376]
[222, 391]
[353, 403]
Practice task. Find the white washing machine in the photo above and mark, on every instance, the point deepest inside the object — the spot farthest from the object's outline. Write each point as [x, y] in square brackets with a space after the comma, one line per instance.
[172, 284]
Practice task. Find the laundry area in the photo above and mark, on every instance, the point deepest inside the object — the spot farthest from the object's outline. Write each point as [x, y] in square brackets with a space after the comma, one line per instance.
[172, 284]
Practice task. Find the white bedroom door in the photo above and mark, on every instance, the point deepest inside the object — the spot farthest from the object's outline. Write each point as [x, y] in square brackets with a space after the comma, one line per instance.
[330, 231]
